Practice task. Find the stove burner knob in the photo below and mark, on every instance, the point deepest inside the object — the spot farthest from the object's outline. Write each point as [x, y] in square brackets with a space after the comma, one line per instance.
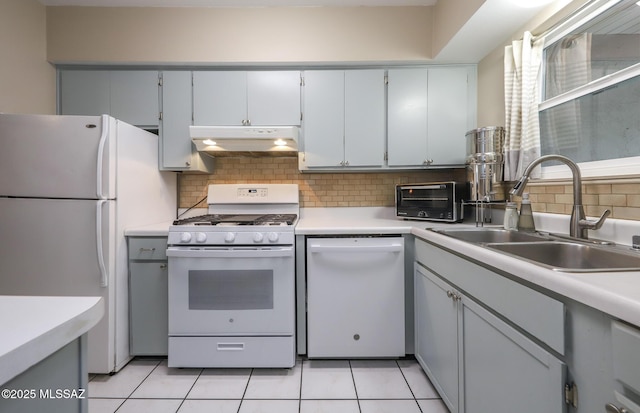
[185, 237]
[229, 237]
[201, 237]
[258, 237]
[273, 236]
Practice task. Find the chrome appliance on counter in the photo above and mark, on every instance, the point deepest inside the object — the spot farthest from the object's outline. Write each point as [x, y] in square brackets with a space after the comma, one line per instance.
[232, 279]
[432, 201]
[485, 163]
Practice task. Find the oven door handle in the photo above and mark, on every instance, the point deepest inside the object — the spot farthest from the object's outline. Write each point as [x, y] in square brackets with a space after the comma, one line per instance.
[178, 252]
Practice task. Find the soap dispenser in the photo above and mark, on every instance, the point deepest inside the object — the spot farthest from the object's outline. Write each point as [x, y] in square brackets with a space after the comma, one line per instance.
[525, 221]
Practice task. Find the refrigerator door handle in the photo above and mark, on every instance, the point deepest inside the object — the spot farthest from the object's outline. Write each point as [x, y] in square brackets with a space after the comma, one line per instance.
[100, 163]
[104, 280]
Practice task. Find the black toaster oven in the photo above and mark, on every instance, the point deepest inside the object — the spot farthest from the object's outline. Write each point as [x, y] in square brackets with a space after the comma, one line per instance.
[432, 201]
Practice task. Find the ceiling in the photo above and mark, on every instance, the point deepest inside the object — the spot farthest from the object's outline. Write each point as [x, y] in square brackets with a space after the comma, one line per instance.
[236, 3]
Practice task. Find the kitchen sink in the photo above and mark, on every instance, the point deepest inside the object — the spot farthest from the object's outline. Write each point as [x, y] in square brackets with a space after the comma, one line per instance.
[572, 257]
[491, 235]
[557, 252]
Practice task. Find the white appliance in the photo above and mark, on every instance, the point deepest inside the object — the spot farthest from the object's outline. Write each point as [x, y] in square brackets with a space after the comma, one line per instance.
[355, 297]
[232, 279]
[69, 186]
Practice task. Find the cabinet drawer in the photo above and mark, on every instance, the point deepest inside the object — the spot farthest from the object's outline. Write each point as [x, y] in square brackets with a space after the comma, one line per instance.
[145, 248]
[538, 314]
[626, 347]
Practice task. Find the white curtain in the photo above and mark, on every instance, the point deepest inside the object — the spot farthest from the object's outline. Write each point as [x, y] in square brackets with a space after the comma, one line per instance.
[569, 63]
[522, 62]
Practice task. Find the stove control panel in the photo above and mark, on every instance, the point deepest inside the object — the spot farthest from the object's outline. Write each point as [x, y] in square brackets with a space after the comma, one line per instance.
[252, 192]
[232, 237]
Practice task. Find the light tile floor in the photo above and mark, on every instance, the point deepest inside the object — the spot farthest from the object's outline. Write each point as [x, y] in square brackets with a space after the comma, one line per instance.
[312, 386]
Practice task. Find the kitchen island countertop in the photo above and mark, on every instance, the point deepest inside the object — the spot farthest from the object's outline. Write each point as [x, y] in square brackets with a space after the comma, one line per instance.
[33, 328]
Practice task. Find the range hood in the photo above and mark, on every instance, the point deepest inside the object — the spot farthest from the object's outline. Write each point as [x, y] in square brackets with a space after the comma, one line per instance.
[222, 140]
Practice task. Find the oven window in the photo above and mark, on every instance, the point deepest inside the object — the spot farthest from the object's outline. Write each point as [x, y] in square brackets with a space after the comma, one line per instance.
[231, 289]
[425, 198]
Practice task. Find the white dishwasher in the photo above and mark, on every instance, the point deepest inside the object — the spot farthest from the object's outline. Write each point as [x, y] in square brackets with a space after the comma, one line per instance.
[355, 297]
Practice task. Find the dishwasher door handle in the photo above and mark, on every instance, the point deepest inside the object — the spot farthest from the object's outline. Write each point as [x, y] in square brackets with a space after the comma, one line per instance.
[347, 249]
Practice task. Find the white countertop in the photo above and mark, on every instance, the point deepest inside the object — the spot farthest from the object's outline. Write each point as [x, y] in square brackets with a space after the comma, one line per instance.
[160, 229]
[366, 220]
[33, 328]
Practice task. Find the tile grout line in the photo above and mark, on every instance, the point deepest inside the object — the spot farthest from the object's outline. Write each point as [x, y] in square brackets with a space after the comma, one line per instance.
[355, 388]
[409, 386]
[245, 390]
[139, 384]
[300, 391]
[189, 391]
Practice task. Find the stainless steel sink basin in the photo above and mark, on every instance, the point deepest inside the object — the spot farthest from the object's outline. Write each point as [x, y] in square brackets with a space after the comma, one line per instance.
[572, 257]
[491, 235]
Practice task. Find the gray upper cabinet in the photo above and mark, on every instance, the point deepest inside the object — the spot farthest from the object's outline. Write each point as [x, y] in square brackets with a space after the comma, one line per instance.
[344, 122]
[323, 118]
[429, 112]
[235, 98]
[177, 152]
[134, 97]
[407, 111]
[84, 92]
[129, 95]
[452, 102]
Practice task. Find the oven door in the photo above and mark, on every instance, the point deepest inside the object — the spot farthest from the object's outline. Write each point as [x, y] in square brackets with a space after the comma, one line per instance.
[240, 291]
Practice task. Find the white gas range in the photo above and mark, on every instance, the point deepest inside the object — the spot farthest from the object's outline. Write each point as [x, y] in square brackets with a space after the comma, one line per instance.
[232, 279]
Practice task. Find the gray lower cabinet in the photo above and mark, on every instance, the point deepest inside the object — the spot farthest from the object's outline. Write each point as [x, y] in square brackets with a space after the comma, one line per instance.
[148, 296]
[57, 384]
[478, 360]
[502, 368]
[436, 334]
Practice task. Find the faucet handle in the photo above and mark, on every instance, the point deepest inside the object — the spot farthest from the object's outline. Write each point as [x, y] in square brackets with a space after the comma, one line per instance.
[588, 224]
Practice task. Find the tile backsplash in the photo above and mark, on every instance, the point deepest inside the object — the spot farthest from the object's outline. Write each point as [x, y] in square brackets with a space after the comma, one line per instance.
[621, 196]
[325, 189]
[358, 189]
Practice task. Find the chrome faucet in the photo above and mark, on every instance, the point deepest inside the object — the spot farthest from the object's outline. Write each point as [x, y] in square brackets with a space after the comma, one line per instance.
[578, 225]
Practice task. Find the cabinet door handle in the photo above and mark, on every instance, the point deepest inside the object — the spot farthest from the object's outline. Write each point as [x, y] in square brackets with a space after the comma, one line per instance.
[163, 266]
[147, 249]
[454, 295]
[610, 408]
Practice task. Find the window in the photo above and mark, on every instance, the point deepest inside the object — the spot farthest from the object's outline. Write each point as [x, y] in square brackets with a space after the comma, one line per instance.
[590, 109]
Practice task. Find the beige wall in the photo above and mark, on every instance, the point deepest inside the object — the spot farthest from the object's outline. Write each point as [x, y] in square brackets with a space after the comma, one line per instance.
[27, 81]
[449, 17]
[238, 36]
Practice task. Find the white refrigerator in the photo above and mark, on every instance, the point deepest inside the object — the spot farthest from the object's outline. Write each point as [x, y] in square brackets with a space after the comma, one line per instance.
[69, 187]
